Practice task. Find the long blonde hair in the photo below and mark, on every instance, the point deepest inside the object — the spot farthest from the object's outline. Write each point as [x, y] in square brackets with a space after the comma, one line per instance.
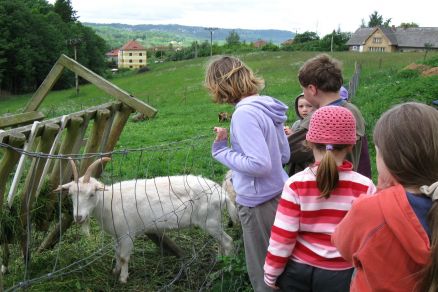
[229, 80]
[327, 174]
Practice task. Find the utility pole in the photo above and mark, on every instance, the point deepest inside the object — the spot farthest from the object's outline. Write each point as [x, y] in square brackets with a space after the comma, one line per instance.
[331, 43]
[75, 42]
[211, 29]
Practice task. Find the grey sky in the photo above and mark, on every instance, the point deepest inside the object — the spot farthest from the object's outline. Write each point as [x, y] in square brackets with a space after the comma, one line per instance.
[321, 16]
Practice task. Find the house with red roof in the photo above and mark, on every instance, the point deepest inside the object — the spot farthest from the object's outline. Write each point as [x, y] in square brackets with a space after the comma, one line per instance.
[112, 56]
[132, 55]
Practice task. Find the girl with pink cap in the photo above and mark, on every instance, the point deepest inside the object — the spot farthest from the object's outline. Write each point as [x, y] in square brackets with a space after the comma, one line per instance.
[300, 255]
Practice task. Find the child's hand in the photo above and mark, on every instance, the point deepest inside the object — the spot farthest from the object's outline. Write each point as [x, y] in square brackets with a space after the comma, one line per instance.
[287, 131]
[221, 133]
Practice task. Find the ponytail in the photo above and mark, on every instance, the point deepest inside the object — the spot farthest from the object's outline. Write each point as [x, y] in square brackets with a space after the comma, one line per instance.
[327, 175]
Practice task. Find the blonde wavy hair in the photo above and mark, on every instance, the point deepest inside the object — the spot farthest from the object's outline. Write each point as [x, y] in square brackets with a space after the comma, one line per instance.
[229, 80]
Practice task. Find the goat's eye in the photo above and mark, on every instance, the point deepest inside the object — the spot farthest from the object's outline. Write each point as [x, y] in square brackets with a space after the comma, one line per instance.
[91, 195]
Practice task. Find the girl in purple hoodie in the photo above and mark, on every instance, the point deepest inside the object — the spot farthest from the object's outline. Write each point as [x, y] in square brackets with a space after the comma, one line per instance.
[259, 148]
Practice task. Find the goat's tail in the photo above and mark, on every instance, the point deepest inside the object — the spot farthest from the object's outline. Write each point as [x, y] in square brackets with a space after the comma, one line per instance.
[231, 208]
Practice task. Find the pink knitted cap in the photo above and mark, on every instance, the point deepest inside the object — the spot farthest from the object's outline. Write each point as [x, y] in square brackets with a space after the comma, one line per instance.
[332, 125]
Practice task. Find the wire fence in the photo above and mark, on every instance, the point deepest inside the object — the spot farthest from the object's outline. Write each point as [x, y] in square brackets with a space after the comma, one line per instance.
[169, 192]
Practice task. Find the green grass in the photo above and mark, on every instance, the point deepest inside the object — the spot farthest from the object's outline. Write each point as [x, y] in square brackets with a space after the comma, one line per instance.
[178, 140]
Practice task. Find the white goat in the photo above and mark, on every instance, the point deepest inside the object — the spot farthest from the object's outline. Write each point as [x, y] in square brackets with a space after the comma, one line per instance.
[129, 208]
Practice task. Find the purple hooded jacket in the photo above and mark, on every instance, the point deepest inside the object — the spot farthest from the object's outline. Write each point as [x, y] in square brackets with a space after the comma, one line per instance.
[259, 148]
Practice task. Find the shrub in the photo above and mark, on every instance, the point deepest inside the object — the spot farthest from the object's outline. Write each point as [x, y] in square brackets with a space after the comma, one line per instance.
[433, 62]
[408, 74]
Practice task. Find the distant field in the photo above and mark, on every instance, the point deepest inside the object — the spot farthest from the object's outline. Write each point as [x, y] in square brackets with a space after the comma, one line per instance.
[185, 109]
[186, 117]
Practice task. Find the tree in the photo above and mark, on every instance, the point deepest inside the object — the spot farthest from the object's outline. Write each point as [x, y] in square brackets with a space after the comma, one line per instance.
[33, 36]
[305, 37]
[233, 38]
[65, 10]
[406, 25]
[377, 20]
[428, 47]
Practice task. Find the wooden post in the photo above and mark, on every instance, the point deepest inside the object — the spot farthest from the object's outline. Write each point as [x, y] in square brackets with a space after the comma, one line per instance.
[106, 86]
[73, 131]
[95, 139]
[62, 170]
[45, 87]
[36, 168]
[53, 236]
[31, 184]
[114, 108]
[120, 119]
[9, 160]
[20, 119]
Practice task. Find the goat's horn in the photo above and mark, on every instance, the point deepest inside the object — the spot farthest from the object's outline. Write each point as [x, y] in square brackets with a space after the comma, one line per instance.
[93, 166]
[74, 169]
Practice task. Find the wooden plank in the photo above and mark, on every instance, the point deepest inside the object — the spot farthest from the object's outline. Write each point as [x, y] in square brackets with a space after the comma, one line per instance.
[45, 87]
[26, 129]
[20, 119]
[9, 160]
[74, 129]
[34, 174]
[107, 86]
[95, 139]
[120, 119]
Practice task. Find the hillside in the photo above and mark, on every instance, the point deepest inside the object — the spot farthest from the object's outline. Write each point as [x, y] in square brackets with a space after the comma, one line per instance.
[178, 140]
[117, 34]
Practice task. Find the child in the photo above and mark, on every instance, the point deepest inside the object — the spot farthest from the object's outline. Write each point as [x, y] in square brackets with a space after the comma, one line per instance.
[388, 237]
[343, 93]
[302, 109]
[321, 80]
[313, 202]
[259, 148]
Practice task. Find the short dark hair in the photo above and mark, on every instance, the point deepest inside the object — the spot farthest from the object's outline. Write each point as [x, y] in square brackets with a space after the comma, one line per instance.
[322, 71]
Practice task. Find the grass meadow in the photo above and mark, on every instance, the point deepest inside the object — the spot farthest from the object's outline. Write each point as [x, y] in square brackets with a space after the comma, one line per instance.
[177, 140]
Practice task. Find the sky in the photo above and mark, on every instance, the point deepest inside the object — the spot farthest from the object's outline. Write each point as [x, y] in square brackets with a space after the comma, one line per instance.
[321, 16]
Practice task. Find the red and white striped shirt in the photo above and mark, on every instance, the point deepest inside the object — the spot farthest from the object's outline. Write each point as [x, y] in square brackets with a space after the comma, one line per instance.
[304, 222]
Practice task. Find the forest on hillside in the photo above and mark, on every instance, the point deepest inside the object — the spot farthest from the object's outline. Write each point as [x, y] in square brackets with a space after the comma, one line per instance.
[33, 34]
[151, 35]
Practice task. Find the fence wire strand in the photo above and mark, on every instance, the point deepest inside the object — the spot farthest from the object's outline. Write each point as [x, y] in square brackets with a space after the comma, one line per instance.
[186, 197]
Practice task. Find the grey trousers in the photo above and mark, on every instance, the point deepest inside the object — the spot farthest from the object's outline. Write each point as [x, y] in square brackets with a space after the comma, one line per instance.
[256, 225]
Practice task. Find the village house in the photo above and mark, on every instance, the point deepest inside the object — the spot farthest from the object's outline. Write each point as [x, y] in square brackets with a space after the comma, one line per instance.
[259, 44]
[288, 42]
[132, 55]
[112, 56]
[392, 39]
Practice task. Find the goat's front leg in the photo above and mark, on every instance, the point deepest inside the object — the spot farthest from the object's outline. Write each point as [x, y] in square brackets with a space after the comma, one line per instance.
[123, 253]
[214, 228]
[5, 258]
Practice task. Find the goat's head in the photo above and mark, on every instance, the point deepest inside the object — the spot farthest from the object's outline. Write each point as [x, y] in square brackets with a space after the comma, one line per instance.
[83, 190]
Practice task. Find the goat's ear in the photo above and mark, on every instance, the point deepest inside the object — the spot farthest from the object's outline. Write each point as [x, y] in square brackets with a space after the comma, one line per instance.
[100, 187]
[62, 187]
